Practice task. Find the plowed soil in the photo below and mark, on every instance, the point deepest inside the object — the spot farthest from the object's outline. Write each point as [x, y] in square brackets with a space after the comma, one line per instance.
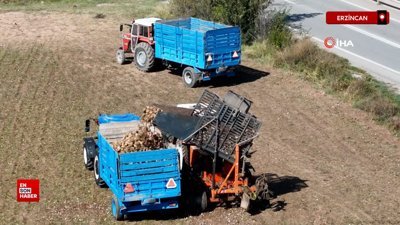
[336, 165]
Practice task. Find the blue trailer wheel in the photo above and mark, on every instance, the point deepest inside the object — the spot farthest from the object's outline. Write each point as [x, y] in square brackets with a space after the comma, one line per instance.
[99, 181]
[115, 209]
[189, 77]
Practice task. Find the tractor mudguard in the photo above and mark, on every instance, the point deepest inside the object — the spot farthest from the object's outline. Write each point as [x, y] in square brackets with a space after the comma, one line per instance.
[90, 147]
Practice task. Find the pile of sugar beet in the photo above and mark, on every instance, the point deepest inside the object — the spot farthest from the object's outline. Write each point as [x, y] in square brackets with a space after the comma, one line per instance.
[145, 138]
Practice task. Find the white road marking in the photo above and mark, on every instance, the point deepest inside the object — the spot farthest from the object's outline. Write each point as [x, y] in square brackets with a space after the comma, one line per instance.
[358, 6]
[367, 9]
[361, 57]
[290, 2]
[374, 36]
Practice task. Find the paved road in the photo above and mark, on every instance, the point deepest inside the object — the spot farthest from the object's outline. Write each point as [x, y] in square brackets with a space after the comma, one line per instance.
[376, 48]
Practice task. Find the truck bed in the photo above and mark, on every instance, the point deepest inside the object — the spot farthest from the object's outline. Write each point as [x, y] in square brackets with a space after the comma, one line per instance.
[197, 43]
[148, 172]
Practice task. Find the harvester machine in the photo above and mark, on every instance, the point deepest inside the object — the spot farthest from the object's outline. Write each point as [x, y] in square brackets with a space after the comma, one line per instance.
[216, 136]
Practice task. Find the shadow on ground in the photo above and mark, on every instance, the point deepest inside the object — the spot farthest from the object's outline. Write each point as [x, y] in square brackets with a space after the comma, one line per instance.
[278, 186]
[300, 17]
[295, 19]
[243, 75]
[156, 215]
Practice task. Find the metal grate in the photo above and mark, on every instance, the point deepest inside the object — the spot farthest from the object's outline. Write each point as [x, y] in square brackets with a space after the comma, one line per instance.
[229, 125]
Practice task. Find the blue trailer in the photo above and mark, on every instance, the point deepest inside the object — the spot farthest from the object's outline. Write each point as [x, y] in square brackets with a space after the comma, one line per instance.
[203, 49]
[139, 181]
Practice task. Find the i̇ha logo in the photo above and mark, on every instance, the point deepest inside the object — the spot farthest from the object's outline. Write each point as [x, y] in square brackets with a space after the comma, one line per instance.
[331, 42]
[28, 190]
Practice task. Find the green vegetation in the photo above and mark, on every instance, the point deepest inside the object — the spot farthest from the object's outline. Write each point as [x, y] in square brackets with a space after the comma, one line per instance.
[244, 13]
[124, 8]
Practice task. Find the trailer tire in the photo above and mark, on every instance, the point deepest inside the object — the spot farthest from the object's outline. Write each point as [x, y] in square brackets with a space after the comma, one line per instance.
[190, 77]
[100, 182]
[86, 159]
[120, 56]
[115, 209]
[144, 57]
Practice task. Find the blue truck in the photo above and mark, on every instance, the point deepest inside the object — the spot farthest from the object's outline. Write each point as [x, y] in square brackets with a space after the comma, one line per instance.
[201, 49]
[140, 181]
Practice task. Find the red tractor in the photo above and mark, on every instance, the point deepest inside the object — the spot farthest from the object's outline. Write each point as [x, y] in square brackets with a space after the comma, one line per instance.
[139, 41]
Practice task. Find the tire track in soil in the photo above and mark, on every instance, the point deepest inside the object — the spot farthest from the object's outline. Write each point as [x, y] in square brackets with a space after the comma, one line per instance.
[21, 91]
[46, 81]
[345, 152]
[47, 100]
[3, 99]
[20, 97]
[339, 144]
[18, 155]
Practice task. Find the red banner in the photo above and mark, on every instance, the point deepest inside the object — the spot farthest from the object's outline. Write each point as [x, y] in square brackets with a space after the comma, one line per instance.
[28, 190]
[358, 17]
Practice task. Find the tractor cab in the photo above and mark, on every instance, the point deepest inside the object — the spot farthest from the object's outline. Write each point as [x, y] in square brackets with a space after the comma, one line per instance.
[139, 41]
[141, 30]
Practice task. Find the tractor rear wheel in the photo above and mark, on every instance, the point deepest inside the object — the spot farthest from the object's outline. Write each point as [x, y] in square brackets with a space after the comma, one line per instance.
[144, 57]
[190, 77]
[120, 56]
[100, 182]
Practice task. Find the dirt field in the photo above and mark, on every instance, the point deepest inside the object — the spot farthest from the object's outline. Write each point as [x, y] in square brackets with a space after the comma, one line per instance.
[336, 165]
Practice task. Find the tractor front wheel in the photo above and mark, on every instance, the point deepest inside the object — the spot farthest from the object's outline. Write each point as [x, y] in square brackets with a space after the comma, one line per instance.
[86, 159]
[120, 56]
[144, 57]
[190, 77]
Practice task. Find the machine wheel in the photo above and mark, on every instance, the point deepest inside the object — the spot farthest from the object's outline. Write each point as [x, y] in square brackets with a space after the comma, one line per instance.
[120, 56]
[186, 156]
[115, 209]
[202, 201]
[100, 182]
[144, 57]
[189, 77]
[245, 202]
[87, 160]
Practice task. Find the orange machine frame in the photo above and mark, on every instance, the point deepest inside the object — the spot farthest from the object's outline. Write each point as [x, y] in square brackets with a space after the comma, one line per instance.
[225, 187]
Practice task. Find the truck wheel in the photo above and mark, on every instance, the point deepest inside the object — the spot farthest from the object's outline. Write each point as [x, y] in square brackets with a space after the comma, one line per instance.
[120, 56]
[115, 209]
[86, 159]
[100, 182]
[144, 57]
[189, 77]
